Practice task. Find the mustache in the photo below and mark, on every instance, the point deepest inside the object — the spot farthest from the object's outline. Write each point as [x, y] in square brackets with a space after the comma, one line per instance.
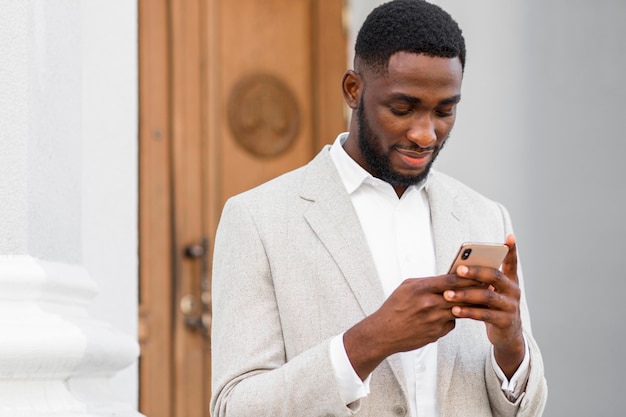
[414, 147]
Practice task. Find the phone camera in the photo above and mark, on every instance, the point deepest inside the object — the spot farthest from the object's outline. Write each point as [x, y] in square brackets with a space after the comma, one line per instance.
[466, 254]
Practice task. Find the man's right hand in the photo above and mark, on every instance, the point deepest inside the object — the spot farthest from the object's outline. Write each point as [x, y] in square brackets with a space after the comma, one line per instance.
[414, 315]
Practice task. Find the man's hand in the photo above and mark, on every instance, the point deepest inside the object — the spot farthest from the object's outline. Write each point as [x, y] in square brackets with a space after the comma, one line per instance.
[414, 315]
[497, 304]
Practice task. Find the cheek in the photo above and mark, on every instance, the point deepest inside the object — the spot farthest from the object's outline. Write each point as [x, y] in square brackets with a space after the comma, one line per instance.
[443, 128]
[390, 125]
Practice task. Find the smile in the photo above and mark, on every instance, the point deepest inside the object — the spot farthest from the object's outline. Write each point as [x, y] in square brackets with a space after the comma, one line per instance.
[412, 159]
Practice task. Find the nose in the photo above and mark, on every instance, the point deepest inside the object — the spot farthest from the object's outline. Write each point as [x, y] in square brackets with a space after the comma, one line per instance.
[422, 132]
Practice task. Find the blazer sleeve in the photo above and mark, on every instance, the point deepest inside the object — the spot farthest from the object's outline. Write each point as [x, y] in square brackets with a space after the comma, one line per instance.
[532, 402]
[250, 373]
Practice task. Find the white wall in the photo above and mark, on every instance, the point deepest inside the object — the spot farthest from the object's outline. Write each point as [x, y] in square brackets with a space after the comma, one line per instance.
[54, 132]
[13, 130]
[37, 128]
[539, 129]
[68, 181]
[109, 157]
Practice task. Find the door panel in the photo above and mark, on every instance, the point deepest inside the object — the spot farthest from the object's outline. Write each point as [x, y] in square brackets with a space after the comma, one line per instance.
[191, 352]
[232, 93]
[155, 211]
[265, 38]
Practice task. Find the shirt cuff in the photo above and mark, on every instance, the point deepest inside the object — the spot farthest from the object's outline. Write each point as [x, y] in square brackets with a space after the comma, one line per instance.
[351, 388]
[516, 386]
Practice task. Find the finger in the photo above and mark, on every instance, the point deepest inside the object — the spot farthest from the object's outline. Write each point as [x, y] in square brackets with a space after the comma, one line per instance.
[479, 297]
[438, 284]
[455, 281]
[509, 265]
[492, 278]
[498, 319]
[485, 276]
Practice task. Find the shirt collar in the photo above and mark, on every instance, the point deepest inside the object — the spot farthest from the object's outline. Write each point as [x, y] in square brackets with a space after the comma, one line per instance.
[352, 174]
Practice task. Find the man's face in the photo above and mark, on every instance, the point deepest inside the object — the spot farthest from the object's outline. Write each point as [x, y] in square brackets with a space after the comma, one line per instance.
[405, 116]
[379, 160]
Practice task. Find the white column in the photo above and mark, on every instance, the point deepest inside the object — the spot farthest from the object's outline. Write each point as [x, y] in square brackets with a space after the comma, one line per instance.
[56, 359]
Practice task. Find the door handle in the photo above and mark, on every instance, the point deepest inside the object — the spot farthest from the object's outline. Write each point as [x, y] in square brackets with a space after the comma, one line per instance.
[194, 319]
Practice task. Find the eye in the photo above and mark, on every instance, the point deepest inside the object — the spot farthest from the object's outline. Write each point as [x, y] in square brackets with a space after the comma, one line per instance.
[399, 111]
[445, 112]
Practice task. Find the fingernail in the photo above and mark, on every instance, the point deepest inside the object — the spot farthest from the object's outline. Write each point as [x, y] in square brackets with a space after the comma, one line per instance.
[449, 294]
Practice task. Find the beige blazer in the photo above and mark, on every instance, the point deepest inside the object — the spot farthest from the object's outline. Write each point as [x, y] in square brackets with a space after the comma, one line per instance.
[292, 269]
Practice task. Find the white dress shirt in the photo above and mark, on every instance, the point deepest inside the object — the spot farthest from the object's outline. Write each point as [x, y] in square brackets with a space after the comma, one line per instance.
[399, 235]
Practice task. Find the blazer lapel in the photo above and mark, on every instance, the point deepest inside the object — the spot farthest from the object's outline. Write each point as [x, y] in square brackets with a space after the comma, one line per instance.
[333, 219]
[449, 230]
[448, 219]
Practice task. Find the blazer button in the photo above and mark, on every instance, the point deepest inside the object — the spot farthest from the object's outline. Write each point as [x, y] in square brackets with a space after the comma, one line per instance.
[399, 411]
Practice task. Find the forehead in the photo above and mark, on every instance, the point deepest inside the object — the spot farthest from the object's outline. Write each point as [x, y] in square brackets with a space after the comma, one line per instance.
[418, 73]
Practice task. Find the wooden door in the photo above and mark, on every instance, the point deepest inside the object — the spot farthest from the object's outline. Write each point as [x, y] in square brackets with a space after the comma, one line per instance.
[232, 93]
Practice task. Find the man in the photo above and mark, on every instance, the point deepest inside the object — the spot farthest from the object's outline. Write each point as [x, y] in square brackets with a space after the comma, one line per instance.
[330, 284]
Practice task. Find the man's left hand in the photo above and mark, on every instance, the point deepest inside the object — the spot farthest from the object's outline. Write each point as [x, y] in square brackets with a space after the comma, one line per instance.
[497, 304]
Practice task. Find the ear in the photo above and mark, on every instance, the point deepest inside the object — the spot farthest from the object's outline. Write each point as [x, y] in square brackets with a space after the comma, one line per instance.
[352, 85]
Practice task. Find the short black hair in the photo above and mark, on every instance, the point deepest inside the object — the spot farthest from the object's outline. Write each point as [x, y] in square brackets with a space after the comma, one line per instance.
[407, 26]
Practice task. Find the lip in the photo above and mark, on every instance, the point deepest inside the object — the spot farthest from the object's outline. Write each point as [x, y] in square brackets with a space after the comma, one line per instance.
[412, 159]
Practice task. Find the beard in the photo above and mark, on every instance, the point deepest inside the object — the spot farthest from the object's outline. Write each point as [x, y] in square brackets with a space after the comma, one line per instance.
[379, 162]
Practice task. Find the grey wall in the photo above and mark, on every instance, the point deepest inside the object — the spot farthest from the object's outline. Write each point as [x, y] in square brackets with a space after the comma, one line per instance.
[540, 129]
[576, 101]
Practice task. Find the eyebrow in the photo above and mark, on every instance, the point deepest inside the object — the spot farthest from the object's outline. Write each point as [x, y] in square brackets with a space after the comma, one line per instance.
[415, 100]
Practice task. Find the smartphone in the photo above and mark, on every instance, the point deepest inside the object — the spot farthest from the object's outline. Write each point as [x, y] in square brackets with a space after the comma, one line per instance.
[479, 254]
